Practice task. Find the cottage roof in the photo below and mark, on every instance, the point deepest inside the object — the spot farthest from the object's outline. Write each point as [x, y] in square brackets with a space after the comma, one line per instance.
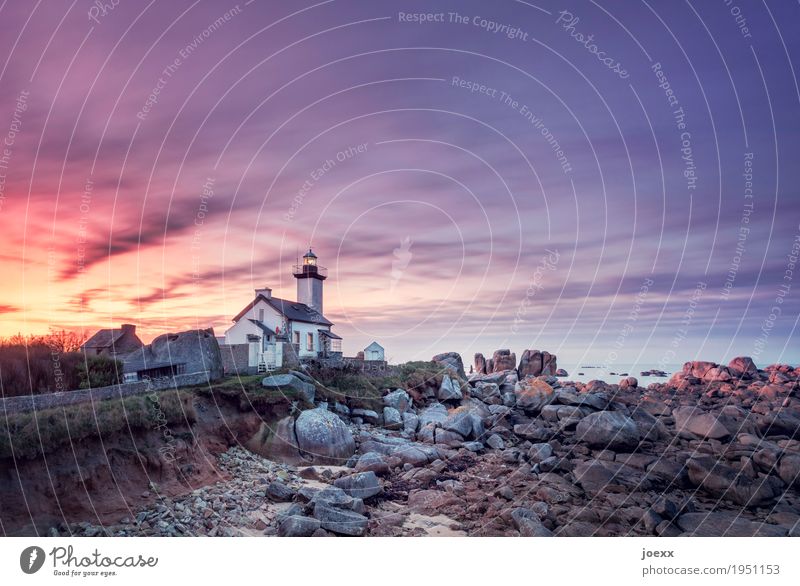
[263, 327]
[374, 346]
[292, 310]
[104, 338]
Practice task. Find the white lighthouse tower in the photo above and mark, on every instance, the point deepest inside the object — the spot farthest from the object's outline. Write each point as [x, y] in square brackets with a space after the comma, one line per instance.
[309, 277]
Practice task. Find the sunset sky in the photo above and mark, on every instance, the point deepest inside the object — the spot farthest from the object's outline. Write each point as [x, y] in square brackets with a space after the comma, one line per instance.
[160, 160]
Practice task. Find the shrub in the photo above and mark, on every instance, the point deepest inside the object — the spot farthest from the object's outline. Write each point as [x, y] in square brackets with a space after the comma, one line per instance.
[99, 371]
[34, 433]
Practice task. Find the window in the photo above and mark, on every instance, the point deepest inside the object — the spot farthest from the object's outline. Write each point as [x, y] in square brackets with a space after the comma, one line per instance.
[261, 314]
[297, 338]
[309, 341]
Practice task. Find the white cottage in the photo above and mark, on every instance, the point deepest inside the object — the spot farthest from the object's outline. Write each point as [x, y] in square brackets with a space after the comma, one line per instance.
[271, 326]
[374, 352]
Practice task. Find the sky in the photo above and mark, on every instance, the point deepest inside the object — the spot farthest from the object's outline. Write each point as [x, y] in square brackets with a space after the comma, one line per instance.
[614, 182]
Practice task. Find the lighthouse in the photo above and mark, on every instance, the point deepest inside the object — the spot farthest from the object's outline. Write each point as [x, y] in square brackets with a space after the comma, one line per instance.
[309, 277]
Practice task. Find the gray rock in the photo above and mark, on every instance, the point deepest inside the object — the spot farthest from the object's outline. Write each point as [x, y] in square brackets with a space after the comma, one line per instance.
[725, 482]
[473, 446]
[324, 437]
[435, 413]
[339, 521]
[410, 422]
[451, 361]
[695, 422]
[279, 492]
[608, 429]
[361, 485]
[450, 390]
[460, 422]
[367, 415]
[373, 462]
[528, 523]
[540, 452]
[725, 525]
[495, 442]
[392, 418]
[290, 384]
[398, 399]
[333, 496]
[298, 526]
[789, 469]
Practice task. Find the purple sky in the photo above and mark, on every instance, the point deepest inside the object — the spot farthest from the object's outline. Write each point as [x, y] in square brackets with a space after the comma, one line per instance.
[566, 206]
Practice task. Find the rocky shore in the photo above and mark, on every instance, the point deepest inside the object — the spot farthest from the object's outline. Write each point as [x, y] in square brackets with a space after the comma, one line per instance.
[514, 450]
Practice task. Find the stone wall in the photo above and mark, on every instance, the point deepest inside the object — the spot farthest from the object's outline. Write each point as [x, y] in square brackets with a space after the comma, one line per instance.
[51, 400]
[235, 358]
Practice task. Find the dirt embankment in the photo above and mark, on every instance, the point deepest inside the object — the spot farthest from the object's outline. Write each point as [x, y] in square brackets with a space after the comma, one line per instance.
[103, 477]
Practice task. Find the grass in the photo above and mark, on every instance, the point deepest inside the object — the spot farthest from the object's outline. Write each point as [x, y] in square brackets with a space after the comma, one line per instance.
[35, 433]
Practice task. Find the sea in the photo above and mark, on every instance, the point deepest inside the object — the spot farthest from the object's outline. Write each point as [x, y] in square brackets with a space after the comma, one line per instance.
[613, 373]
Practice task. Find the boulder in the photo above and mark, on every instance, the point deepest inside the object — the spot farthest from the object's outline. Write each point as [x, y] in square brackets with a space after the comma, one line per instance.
[340, 521]
[536, 363]
[323, 437]
[392, 418]
[280, 444]
[724, 482]
[560, 372]
[789, 469]
[450, 390]
[367, 415]
[279, 492]
[598, 476]
[480, 363]
[451, 361]
[398, 399]
[743, 366]
[495, 442]
[540, 452]
[291, 385]
[692, 420]
[713, 524]
[434, 413]
[529, 524]
[629, 383]
[410, 422]
[373, 462]
[503, 360]
[549, 365]
[533, 394]
[297, 526]
[608, 429]
[362, 485]
[460, 422]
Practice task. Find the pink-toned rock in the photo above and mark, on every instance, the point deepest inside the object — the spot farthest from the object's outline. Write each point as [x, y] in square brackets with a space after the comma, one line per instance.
[480, 363]
[743, 366]
[503, 360]
[533, 394]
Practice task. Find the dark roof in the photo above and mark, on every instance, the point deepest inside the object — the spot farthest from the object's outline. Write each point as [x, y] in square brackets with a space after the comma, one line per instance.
[104, 338]
[263, 327]
[330, 334]
[293, 310]
[310, 254]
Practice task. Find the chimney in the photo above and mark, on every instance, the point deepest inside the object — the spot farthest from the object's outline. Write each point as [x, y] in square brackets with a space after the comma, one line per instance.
[266, 292]
[128, 328]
